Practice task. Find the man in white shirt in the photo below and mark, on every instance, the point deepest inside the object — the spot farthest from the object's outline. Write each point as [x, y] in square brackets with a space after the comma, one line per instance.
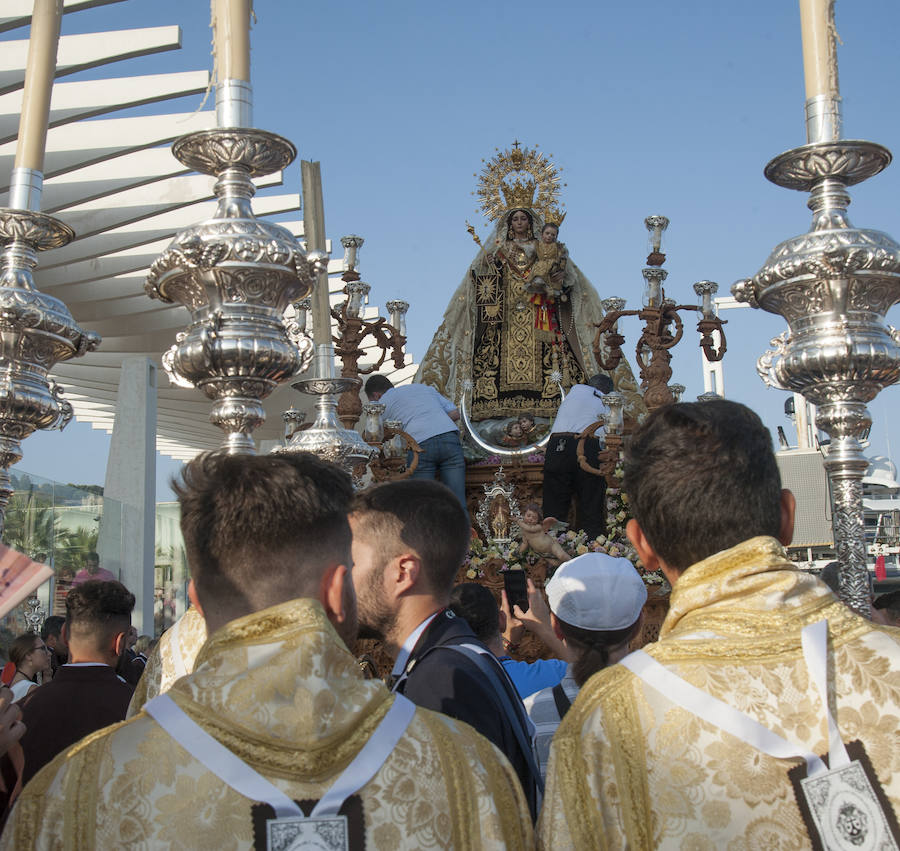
[430, 419]
[563, 478]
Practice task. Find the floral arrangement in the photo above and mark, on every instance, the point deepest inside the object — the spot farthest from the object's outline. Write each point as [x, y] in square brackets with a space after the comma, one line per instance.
[613, 543]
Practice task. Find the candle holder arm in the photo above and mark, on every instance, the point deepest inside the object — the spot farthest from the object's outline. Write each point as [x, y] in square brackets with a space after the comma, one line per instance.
[705, 328]
[389, 469]
[614, 340]
[607, 458]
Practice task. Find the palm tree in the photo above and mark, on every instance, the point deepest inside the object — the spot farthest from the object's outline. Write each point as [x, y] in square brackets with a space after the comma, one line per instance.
[78, 544]
[32, 526]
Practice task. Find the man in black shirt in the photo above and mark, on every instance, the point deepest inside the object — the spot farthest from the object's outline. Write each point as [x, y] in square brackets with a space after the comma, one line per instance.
[86, 694]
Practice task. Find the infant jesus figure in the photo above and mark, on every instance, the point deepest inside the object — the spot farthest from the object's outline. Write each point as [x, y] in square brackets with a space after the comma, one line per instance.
[549, 269]
[534, 534]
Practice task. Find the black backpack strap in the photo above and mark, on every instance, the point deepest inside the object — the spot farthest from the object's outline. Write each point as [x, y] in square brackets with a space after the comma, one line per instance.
[561, 699]
[502, 685]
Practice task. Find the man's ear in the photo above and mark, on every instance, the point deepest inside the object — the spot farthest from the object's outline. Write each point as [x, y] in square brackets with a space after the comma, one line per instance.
[786, 526]
[331, 592]
[64, 634]
[639, 541]
[647, 554]
[118, 644]
[406, 572]
[192, 596]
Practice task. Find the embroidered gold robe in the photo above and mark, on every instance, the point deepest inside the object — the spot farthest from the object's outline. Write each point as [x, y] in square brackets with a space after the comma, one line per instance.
[280, 690]
[173, 657]
[629, 769]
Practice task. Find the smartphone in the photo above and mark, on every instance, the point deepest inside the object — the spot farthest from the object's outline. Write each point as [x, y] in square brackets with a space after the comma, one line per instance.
[514, 583]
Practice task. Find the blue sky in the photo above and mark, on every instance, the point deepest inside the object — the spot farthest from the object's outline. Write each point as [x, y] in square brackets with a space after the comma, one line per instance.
[651, 107]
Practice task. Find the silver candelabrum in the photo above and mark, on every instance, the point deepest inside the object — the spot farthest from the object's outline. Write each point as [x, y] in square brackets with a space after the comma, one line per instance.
[37, 331]
[236, 275]
[834, 286]
[326, 437]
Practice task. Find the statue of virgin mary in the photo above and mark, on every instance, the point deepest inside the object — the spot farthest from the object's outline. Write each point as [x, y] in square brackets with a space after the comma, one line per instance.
[522, 321]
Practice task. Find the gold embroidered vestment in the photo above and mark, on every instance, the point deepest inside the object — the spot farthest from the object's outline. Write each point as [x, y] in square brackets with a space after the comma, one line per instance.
[281, 691]
[630, 769]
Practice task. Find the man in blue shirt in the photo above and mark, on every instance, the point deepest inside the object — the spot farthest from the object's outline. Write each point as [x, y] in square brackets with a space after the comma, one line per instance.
[429, 419]
[476, 604]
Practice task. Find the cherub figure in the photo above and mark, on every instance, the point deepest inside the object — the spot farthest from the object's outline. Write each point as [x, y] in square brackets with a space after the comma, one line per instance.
[534, 534]
[526, 423]
[514, 434]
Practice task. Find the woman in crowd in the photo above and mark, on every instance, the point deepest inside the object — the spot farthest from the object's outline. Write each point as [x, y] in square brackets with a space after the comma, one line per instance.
[31, 656]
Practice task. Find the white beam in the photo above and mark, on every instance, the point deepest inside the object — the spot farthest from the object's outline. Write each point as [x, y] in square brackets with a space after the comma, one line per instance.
[112, 177]
[152, 229]
[71, 102]
[17, 13]
[87, 50]
[79, 145]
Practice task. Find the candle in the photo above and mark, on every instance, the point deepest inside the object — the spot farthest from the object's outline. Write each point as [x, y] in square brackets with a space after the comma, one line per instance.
[653, 278]
[352, 244]
[613, 305]
[819, 49]
[398, 310]
[356, 294]
[39, 73]
[706, 290]
[314, 231]
[232, 24]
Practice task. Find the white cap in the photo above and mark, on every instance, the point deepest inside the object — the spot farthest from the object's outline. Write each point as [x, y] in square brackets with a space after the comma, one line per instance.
[597, 591]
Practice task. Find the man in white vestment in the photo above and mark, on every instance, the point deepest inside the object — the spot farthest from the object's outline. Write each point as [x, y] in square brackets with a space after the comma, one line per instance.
[690, 744]
[173, 657]
[275, 739]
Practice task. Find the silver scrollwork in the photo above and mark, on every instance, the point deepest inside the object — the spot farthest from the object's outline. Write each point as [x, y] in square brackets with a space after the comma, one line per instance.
[765, 365]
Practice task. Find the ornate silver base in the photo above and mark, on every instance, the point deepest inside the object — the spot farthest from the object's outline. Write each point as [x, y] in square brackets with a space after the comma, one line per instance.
[834, 286]
[327, 438]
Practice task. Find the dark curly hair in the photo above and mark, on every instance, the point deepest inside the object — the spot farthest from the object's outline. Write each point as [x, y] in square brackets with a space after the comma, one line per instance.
[97, 611]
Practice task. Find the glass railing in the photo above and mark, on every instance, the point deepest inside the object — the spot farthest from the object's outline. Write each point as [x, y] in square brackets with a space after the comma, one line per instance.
[60, 524]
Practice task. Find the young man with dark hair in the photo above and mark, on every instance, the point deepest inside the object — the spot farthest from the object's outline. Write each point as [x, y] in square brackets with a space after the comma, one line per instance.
[713, 736]
[276, 710]
[430, 419]
[409, 540]
[86, 694]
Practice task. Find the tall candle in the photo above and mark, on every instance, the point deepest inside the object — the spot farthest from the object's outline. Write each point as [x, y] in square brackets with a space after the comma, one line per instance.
[819, 48]
[232, 22]
[39, 73]
[314, 231]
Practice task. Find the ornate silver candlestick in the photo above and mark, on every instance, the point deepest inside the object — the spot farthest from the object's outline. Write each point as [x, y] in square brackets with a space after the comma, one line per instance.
[834, 286]
[236, 275]
[36, 332]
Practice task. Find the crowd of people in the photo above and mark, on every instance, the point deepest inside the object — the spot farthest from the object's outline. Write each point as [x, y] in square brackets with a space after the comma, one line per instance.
[765, 716]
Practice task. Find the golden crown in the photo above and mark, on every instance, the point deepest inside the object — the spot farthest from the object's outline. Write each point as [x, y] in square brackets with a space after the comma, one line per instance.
[554, 216]
[518, 177]
[518, 194]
